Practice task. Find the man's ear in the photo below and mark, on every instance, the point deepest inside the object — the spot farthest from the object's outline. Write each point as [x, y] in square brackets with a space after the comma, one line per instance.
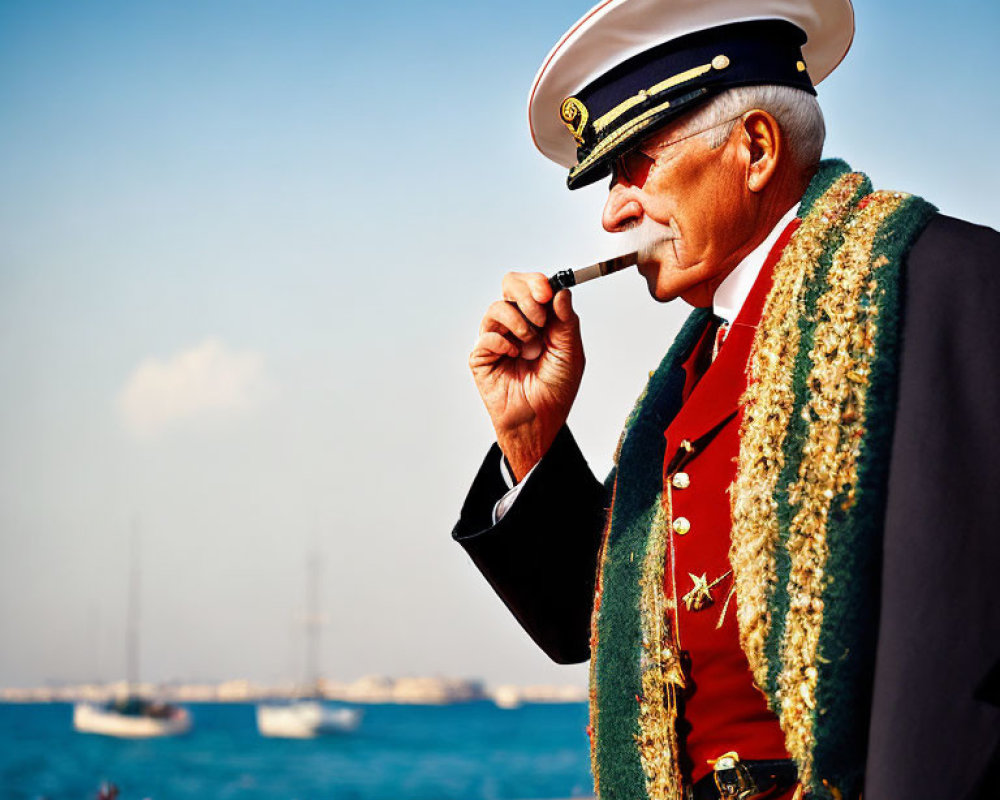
[764, 145]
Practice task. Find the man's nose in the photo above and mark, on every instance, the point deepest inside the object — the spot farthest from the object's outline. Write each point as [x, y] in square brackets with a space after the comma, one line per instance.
[622, 209]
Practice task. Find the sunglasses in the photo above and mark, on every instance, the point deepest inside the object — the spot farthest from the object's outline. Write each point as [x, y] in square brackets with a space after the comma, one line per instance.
[632, 168]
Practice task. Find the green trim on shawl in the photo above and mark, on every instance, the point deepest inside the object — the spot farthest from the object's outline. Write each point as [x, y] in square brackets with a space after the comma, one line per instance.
[825, 177]
[820, 619]
[828, 173]
[615, 683]
[841, 738]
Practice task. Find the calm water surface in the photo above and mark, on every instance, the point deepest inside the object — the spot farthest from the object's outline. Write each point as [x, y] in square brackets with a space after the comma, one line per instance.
[464, 752]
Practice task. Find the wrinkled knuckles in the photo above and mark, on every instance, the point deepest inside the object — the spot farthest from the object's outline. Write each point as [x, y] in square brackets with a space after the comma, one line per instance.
[513, 285]
[538, 284]
[511, 319]
[537, 308]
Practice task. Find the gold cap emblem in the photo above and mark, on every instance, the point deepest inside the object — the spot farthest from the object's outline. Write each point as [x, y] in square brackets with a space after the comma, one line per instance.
[575, 115]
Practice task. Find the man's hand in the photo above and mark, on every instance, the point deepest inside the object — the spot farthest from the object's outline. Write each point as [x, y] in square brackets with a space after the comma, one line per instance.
[527, 364]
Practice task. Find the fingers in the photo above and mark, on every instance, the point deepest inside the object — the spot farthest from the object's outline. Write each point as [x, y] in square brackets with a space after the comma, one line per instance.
[513, 326]
[490, 347]
[504, 320]
[532, 350]
[529, 291]
[504, 317]
[562, 305]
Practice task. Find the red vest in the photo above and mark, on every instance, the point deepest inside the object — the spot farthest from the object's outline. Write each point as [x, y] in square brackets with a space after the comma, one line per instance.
[723, 710]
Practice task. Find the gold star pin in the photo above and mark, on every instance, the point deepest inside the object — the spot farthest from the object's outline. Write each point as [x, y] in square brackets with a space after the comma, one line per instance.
[700, 595]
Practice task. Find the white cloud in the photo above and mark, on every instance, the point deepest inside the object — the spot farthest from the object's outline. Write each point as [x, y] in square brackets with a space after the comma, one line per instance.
[207, 380]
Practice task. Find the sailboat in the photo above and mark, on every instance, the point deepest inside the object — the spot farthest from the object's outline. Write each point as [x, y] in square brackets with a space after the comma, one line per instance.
[307, 716]
[132, 716]
[305, 719]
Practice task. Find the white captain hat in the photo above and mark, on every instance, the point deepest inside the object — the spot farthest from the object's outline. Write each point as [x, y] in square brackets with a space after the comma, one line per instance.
[630, 66]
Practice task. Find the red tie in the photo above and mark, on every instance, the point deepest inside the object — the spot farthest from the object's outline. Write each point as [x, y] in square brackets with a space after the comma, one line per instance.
[720, 336]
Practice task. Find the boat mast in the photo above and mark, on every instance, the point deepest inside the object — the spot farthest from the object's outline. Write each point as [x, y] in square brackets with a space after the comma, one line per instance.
[132, 614]
[313, 621]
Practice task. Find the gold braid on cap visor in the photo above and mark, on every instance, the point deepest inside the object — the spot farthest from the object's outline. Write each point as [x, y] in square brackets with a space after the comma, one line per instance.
[574, 114]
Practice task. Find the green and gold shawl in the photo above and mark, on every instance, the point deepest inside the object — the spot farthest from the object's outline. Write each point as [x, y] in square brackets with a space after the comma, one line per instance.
[807, 507]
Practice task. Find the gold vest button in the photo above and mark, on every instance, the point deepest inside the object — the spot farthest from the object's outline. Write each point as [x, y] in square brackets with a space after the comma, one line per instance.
[681, 526]
[681, 480]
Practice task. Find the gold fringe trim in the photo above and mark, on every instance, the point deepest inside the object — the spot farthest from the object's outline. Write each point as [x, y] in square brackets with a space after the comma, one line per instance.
[661, 671]
[768, 406]
[843, 347]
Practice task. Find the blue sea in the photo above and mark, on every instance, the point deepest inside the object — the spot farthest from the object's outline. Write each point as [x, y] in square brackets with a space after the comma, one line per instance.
[472, 751]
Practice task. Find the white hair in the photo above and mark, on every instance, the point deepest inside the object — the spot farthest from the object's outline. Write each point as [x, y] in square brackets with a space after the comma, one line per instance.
[796, 111]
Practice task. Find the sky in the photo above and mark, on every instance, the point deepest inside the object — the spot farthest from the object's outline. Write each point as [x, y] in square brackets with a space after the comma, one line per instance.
[244, 251]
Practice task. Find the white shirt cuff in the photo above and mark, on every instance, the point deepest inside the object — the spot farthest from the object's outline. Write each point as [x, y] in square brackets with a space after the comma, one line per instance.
[504, 503]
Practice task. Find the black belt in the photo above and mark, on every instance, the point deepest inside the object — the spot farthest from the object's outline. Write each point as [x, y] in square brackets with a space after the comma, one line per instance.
[741, 780]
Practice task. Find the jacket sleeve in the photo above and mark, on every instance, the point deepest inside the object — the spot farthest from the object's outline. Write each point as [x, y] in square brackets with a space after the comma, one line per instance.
[541, 557]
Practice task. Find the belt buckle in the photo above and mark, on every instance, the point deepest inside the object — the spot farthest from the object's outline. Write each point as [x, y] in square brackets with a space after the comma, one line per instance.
[732, 778]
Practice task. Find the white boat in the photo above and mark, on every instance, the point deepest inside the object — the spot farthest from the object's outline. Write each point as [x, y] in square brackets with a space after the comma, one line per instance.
[305, 719]
[306, 716]
[131, 718]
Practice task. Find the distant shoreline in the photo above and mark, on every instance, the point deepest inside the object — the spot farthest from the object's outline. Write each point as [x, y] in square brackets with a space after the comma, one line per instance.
[368, 690]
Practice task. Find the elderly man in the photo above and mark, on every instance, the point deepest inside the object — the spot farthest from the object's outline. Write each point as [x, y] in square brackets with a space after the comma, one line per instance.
[784, 586]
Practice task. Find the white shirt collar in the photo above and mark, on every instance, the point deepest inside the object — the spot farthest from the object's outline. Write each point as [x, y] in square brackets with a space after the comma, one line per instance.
[733, 291]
